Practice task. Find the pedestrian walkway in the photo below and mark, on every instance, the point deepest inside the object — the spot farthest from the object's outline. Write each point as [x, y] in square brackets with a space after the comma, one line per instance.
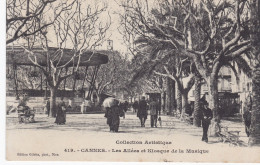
[84, 131]
[130, 125]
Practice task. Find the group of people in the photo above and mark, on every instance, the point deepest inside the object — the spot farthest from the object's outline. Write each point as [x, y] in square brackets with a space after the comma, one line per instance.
[142, 108]
[116, 111]
[119, 109]
[154, 108]
[113, 113]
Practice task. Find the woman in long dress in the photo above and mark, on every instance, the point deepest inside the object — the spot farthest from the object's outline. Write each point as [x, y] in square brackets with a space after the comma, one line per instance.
[61, 113]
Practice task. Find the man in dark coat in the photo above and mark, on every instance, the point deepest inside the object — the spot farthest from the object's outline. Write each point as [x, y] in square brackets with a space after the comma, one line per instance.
[154, 109]
[206, 118]
[142, 111]
[113, 115]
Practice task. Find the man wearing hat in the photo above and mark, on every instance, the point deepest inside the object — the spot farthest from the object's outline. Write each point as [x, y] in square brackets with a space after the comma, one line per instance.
[142, 111]
[154, 109]
[207, 116]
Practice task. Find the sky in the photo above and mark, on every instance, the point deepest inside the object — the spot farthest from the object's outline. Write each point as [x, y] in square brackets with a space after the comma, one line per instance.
[112, 33]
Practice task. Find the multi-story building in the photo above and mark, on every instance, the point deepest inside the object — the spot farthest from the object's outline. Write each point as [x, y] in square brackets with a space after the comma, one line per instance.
[233, 90]
[233, 87]
[224, 83]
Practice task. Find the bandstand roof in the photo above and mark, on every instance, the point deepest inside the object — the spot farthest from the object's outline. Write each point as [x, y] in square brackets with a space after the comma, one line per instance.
[17, 55]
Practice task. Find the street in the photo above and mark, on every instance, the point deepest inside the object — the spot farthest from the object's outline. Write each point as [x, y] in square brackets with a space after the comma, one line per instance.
[87, 137]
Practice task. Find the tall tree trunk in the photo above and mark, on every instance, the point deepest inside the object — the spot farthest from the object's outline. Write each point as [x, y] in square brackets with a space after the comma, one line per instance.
[15, 81]
[168, 96]
[185, 103]
[179, 100]
[254, 138]
[162, 101]
[99, 99]
[213, 103]
[197, 113]
[53, 102]
[173, 102]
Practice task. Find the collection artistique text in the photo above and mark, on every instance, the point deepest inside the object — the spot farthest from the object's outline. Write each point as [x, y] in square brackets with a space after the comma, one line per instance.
[143, 142]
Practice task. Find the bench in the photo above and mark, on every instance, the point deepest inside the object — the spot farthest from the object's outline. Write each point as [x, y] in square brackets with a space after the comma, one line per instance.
[228, 136]
[26, 116]
[39, 110]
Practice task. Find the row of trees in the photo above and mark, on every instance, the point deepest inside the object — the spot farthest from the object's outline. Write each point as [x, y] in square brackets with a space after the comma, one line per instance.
[194, 39]
[73, 27]
[170, 40]
[58, 28]
[111, 76]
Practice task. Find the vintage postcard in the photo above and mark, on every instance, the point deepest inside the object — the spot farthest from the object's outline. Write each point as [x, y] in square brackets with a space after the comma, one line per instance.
[133, 80]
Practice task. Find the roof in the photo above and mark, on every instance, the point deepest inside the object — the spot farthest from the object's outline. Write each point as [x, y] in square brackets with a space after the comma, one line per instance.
[17, 55]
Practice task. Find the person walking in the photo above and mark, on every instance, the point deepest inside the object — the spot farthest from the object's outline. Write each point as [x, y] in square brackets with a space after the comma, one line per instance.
[142, 111]
[154, 109]
[113, 114]
[124, 105]
[206, 118]
[135, 106]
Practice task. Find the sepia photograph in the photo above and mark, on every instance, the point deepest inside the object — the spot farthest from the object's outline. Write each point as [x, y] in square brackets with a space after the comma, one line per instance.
[132, 81]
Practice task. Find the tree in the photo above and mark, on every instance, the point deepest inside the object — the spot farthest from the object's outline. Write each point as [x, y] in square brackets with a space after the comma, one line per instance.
[22, 17]
[232, 45]
[254, 138]
[111, 76]
[218, 26]
[145, 35]
[180, 69]
[197, 113]
[166, 88]
[170, 101]
[25, 77]
[74, 31]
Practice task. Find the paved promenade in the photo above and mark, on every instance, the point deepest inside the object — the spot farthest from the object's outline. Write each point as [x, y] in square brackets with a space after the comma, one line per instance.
[91, 131]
